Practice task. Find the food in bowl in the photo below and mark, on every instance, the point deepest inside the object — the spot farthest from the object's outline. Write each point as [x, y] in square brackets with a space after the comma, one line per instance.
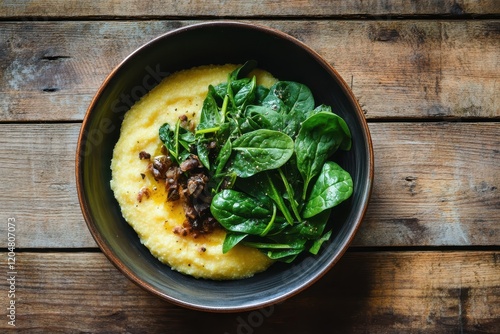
[184, 48]
[221, 184]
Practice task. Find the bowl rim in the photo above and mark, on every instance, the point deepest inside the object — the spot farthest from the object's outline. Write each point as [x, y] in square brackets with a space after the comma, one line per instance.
[110, 253]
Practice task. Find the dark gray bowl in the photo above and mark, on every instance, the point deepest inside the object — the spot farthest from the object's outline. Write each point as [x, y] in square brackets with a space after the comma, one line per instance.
[201, 44]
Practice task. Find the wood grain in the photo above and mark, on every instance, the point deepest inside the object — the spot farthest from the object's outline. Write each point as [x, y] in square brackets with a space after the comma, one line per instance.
[386, 292]
[216, 9]
[37, 174]
[435, 184]
[398, 69]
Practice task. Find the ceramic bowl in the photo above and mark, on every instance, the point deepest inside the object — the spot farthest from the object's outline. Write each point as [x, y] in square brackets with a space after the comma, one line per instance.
[201, 44]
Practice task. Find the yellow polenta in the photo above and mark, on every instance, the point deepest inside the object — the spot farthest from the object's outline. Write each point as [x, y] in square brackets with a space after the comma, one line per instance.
[153, 218]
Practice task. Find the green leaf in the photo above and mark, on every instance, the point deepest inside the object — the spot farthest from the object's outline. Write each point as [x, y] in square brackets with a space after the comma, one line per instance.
[243, 70]
[260, 94]
[254, 122]
[320, 108]
[186, 139]
[295, 96]
[210, 117]
[310, 229]
[290, 195]
[246, 94]
[239, 212]
[223, 157]
[285, 252]
[231, 240]
[286, 256]
[260, 186]
[319, 137]
[293, 100]
[317, 244]
[265, 117]
[203, 153]
[178, 141]
[167, 136]
[333, 186]
[260, 150]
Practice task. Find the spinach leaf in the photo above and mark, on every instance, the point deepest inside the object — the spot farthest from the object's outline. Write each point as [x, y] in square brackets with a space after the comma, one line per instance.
[317, 244]
[210, 117]
[223, 157]
[311, 228]
[333, 186]
[245, 94]
[291, 173]
[319, 137]
[243, 70]
[178, 141]
[239, 212]
[266, 117]
[293, 95]
[260, 150]
[186, 138]
[320, 108]
[291, 99]
[286, 256]
[290, 194]
[260, 94]
[284, 250]
[254, 121]
[261, 185]
[276, 195]
[167, 136]
[203, 152]
[281, 249]
[231, 240]
[238, 88]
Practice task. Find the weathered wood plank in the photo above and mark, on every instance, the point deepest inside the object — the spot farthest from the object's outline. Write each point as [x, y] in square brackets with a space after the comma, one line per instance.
[435, 184]
[37, 174]
[387, 292]
[397, 69]
[262, 8]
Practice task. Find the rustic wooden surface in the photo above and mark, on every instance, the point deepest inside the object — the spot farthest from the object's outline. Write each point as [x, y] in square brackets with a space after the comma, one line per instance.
[214, 8]
[398, 69]
[434, 185]
[424, 292]
[427, 74]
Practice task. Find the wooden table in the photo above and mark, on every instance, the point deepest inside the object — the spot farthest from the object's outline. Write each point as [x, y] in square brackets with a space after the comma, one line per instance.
[427, 257]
